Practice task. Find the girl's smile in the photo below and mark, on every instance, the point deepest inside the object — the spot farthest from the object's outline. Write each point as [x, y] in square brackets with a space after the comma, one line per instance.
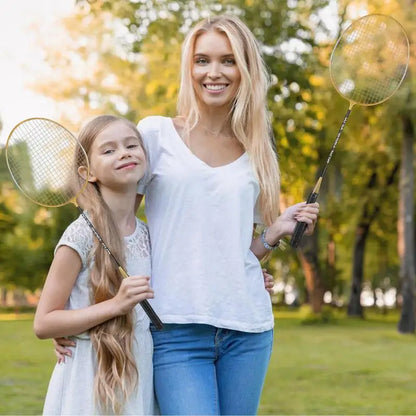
[130, 165]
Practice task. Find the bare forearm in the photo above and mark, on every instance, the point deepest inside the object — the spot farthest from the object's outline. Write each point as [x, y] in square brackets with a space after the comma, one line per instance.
[62, 323]
[273, 235]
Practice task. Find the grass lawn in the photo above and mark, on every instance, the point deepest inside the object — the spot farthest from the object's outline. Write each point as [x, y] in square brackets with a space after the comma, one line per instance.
[346, 367]
[349, 367]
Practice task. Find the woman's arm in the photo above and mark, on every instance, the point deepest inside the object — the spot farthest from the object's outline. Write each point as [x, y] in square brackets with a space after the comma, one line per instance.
[52, 321]
[285, 225]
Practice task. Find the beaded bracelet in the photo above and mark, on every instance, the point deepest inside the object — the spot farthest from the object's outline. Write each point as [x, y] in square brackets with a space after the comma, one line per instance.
[266, 244]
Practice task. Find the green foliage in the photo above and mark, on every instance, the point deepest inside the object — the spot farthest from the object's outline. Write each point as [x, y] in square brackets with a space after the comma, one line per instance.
[123, 57]
[29, 235]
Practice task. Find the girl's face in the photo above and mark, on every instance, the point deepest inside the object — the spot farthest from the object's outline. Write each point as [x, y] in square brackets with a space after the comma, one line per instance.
[117, 157]
[215, 74]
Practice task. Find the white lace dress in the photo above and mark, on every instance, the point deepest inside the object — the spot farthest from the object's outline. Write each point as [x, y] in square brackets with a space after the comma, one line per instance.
[70, 390]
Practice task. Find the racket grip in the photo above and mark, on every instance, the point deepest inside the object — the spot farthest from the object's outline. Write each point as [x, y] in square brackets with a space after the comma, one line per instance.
[301, 226]
[151, 314]
[146, 306]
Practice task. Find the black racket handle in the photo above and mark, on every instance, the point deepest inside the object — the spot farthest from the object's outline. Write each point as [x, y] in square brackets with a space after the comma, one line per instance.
[301, 226]
[151, 314]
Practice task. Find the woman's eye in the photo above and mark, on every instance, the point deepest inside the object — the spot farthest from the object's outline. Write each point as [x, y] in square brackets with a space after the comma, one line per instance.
[229, 61]
[201, 61]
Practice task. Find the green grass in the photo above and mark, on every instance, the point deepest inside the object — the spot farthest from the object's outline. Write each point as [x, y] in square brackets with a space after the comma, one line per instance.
[345, 367]
[25, 367]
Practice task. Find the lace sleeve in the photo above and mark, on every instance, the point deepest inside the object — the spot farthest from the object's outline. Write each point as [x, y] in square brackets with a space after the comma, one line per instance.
[79, 237]
[139, 243]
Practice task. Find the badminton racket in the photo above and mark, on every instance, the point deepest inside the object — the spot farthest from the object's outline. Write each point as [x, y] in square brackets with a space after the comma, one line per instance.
[368, 64]
[40, 156]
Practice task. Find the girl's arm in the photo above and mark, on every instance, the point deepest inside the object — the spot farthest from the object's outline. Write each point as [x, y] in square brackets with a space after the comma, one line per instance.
[285, 225]
[52, 321]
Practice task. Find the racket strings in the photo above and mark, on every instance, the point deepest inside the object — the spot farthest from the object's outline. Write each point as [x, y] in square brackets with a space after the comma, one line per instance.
[40, 155]
[370, 60]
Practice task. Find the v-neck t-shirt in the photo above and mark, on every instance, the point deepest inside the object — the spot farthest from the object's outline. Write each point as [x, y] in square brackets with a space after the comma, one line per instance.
[200, 221]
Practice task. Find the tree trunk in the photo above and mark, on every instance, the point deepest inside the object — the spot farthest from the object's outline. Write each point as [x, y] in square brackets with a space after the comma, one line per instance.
[361, 234]
[331, 269]
[406, 245]
[354, 304]
[308, 255]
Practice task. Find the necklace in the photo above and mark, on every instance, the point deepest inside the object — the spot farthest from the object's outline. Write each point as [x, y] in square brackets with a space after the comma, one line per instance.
[216, 133]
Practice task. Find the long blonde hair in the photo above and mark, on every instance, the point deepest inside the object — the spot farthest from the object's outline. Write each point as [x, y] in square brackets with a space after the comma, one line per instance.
[116, 374]
[249, 117]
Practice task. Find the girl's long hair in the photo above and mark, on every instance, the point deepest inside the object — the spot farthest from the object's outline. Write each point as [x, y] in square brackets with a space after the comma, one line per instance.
[116, 374]
[249, 117]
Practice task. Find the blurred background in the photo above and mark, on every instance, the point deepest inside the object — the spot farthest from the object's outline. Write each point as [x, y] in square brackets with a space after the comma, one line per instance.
[69, 60]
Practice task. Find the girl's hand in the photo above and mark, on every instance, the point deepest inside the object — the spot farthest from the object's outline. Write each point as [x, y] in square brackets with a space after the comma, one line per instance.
[268, 281]
[61, 351]
[133, 289]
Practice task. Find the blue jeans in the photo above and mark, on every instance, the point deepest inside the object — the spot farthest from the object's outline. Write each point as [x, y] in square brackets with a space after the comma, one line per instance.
[204, 370]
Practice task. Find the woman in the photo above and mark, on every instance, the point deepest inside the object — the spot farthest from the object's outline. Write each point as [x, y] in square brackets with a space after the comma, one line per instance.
[212, 175]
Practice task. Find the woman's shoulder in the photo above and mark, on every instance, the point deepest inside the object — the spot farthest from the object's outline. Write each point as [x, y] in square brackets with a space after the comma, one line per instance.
[152, 123]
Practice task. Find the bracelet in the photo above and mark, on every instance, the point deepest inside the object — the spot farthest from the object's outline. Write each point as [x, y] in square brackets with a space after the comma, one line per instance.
[265, 243]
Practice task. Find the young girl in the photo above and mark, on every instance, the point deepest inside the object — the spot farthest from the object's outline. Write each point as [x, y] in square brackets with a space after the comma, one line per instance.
[111, 368]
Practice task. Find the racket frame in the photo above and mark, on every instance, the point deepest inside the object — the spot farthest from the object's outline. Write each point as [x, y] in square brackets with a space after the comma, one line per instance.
[313, 196]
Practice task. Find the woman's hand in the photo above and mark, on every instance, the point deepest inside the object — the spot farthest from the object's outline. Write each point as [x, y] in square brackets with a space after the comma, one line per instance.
[301, 212]
[268, 281]
[61, 349]
[133, 289]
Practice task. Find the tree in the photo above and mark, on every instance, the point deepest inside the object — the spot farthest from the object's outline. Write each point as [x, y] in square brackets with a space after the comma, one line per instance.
[406, 223]
[370, 210]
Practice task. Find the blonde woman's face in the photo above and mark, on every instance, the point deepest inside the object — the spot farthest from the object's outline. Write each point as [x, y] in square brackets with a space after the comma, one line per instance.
[215, 74]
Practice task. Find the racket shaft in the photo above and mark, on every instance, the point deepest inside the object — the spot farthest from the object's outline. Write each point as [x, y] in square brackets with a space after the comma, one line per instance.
[151, 314]
[313, 196]
[301, 226]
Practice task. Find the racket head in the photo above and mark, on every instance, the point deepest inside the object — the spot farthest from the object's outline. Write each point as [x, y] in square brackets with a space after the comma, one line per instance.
[42, 156]
[369, 60]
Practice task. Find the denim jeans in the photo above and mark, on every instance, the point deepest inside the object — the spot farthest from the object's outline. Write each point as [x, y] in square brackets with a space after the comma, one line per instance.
[203, 370]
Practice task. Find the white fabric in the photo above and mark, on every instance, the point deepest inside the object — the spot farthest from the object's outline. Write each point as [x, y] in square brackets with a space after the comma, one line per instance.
[70, 390]
[201, 223]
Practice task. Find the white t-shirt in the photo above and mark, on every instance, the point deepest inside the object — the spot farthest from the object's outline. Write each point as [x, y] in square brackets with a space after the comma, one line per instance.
[200, 220]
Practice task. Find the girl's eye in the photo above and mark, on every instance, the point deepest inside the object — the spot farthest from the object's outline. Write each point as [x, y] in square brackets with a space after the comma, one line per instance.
[108, 151]
[132, 146]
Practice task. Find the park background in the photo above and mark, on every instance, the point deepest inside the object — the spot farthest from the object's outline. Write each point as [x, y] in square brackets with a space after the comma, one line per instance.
[344, 301]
